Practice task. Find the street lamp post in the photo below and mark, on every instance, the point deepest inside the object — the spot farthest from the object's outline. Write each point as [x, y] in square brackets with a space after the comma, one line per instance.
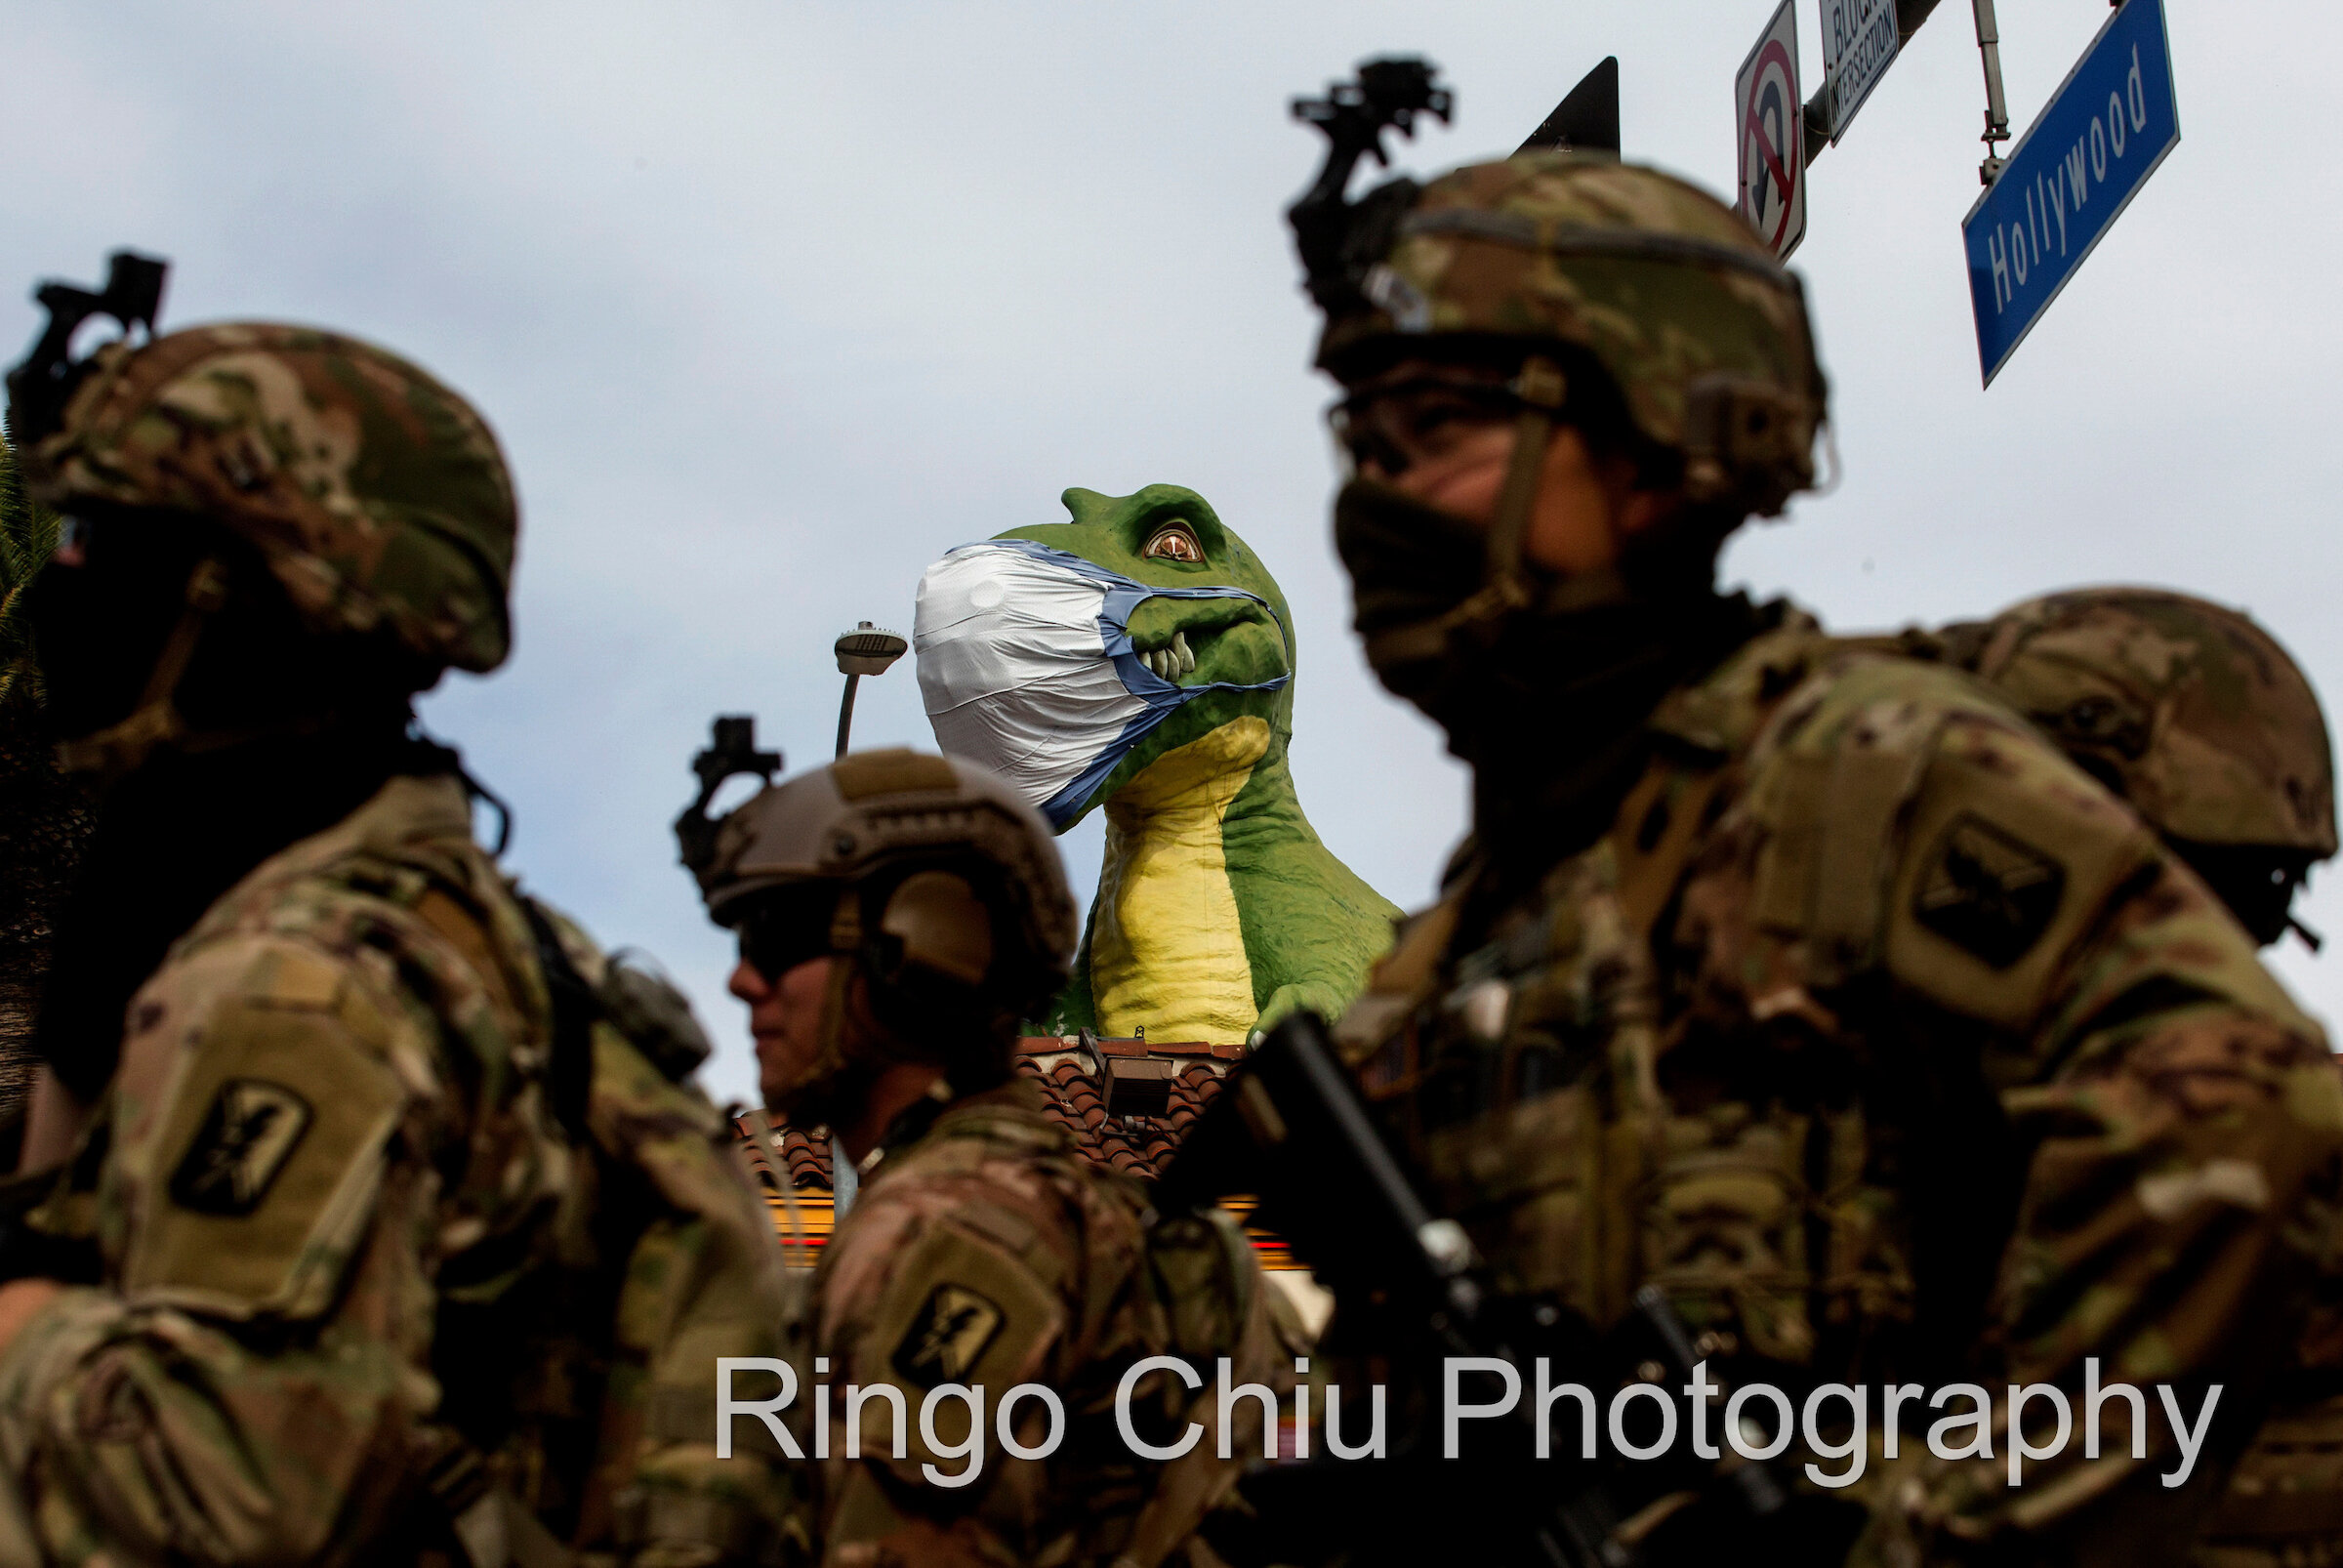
[866, 650]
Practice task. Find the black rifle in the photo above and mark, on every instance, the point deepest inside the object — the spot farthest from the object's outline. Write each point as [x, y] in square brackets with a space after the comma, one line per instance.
[1290, 1128]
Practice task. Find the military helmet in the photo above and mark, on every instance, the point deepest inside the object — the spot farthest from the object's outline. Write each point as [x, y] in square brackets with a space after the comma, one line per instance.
[932, 872]
[377, 495]
[2211, 730]
[1705, 334]
[2191, 711]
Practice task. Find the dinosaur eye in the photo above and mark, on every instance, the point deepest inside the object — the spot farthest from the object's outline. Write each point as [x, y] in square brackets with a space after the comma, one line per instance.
[1174, 542]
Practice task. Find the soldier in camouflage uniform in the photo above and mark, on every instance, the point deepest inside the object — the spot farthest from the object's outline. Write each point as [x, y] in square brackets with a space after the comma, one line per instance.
[899, 914]
[2205, 726]
[1810, 984]
[2189, 711]
[407, 1240]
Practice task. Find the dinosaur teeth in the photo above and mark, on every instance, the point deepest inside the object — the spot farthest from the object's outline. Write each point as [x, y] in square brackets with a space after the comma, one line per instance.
[1173, 660]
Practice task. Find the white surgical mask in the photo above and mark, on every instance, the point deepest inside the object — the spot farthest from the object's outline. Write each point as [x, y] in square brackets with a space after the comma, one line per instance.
[1026, 666]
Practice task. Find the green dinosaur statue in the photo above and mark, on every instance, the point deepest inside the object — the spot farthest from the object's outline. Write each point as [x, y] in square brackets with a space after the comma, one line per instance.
[1219, 910]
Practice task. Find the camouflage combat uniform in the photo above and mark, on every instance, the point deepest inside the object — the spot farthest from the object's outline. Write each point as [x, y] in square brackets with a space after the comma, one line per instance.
[984, 1252]
[1809, 983]
[2189, 711]
[411, 1248]
[346, 1240]
[1870, 1001]
[981, 1251]
[2202, 722]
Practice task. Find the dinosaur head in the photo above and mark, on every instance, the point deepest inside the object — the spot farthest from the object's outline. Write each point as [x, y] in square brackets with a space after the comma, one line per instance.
[1070, 655]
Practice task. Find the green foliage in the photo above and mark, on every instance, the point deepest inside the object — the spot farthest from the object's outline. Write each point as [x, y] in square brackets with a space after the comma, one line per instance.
[27, 535]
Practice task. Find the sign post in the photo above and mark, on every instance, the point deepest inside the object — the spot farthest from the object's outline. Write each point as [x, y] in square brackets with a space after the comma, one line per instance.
[1772, 119]
[1859, 43]
[2108, 128]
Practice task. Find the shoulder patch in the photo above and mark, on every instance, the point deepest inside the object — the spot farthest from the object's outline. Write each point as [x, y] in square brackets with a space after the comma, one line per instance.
[948, 1335]
[1987, 890]
[251, 1130]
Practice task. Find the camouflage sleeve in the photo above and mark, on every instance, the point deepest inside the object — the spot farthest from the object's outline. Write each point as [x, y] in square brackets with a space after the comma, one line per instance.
[2178, 1121]
[704, 1282]
[933, 1283]
[249, 1388]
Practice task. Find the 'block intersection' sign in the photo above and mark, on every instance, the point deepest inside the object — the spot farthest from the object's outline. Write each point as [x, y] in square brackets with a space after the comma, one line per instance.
[1859, 43]
[2107, 129]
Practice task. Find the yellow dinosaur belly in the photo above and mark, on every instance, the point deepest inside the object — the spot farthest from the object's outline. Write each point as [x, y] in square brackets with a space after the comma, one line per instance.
[1167, 952]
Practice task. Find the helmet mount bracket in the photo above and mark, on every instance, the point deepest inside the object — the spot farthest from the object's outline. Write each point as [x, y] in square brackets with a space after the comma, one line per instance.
[43, 381]
[1340, 239]
[731, 752]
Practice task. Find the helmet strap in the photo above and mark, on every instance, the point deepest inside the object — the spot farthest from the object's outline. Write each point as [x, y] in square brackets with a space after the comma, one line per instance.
[1505, 585]
[155, 722]
[846, 942]
[835, 1058]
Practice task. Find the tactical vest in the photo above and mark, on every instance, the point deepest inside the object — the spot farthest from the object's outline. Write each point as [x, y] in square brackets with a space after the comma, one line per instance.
[1571, 1100]
[557, 1349]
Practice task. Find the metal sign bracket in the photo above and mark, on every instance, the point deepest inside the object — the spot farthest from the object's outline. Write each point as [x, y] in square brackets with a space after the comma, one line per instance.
[1996, 107]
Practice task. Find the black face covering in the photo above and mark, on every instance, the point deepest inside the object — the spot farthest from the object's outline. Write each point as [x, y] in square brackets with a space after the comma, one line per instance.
[98, 626]
[1546, 701]
[169, 841]
[311, 727]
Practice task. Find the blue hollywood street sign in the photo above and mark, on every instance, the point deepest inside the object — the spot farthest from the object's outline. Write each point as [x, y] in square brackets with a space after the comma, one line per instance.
[2106, 130]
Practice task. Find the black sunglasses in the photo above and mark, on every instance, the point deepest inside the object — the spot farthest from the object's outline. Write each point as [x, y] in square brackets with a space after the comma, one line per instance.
[784, 928]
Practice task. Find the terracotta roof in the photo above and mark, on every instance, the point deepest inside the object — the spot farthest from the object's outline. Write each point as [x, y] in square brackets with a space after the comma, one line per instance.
[802, 1208]
[1130, 1117]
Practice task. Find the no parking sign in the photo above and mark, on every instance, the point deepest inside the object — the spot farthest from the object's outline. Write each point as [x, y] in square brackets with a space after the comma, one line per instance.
[1772, 118]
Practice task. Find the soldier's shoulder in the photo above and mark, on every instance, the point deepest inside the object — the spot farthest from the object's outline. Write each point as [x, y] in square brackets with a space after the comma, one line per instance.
[999, 1153]
[1902, 817]
[1867, 731]
[1849, 681]
[1007, 1184]
[1795, 673]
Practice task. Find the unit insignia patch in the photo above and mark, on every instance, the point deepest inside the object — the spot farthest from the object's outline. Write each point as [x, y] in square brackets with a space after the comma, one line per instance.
[1988, 892]
[246, 1138]
[949, 1335]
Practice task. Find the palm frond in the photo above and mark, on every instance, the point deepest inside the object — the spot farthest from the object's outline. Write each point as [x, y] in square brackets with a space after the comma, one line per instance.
[27, 536]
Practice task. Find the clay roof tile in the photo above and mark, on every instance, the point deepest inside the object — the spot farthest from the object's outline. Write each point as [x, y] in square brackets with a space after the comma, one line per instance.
[1075, 1100]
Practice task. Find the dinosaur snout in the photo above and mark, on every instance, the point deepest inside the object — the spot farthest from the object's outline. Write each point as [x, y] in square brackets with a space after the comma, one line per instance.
[1210, 640]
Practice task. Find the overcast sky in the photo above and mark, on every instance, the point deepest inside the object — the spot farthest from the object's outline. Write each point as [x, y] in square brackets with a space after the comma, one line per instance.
[772, 304]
